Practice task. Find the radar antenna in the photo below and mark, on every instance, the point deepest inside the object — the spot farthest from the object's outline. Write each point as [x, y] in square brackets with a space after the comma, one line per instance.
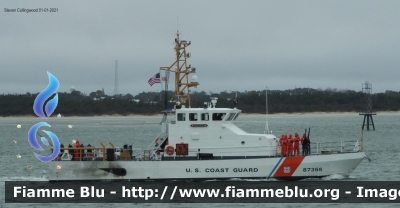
[182, 71]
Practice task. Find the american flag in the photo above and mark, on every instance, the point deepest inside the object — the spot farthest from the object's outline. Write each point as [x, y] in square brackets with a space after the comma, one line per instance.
[154, 79]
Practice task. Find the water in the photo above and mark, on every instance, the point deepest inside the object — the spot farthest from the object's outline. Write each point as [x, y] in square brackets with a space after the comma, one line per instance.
[381, 145]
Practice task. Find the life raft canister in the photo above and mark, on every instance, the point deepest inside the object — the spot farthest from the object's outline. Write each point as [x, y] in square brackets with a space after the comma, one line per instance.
[169, 150]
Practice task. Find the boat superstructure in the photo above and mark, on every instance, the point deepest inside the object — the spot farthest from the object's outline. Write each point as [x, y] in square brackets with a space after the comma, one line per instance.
[200, 143]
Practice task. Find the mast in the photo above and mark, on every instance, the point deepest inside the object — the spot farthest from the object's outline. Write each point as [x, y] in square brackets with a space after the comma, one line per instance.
[266, 130]
[182, 71]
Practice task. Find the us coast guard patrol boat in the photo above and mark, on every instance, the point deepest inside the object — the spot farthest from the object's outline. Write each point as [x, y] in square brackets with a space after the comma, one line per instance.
[199, 144]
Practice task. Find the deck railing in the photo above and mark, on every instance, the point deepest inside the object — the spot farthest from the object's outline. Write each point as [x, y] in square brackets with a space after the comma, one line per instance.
[94, 153]
[335, 147]
[154, 153]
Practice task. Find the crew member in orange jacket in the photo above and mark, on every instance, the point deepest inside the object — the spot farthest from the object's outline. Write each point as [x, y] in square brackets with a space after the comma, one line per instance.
[283, 142]
[285, 137]
[296, 144]
[290, 145]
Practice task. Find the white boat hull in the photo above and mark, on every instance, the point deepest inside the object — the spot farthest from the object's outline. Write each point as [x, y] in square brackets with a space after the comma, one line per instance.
[286, 168]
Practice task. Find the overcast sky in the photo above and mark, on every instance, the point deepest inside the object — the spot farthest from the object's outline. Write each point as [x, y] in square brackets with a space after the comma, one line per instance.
[236, 45]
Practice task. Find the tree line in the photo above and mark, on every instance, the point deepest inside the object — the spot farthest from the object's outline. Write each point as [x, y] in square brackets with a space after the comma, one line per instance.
[297, 100]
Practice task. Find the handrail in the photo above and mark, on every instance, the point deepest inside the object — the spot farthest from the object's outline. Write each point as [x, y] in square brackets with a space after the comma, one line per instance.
[160, 135]
[267, 150]
[82, 148]
[337, 142]
[362, 139]
[103, 147]
[104, 151]
[331, 147]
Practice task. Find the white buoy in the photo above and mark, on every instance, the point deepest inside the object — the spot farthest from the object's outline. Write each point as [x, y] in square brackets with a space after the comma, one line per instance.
[70, 126]
[59, 116]
[73, 141]
[15, 141]
[18, 126]
[18, 156]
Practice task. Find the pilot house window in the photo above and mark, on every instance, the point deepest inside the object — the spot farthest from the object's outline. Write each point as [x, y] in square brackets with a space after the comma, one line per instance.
[204, 116]
[193, 117]
[231, 116]
[218, 116]
[181, 116]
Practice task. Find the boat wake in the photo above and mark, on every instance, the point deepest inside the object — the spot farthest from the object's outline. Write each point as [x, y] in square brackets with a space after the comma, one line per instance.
[244, 179]
[24, 178]
[333, 177]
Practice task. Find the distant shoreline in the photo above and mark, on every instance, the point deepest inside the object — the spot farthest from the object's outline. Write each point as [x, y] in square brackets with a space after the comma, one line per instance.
[242, 114]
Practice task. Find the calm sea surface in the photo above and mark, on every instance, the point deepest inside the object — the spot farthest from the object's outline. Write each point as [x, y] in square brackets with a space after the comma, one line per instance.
[381, 145]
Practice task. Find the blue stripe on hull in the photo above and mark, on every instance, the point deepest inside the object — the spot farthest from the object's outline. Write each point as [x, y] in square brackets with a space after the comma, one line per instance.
[273, 170]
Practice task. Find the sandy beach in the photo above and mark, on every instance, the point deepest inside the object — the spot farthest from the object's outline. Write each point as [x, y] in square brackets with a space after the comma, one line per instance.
[394, 113]
[385, 113]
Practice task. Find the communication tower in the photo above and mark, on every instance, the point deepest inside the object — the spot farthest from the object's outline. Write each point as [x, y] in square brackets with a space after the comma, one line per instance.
[116, 83]
[367, 112]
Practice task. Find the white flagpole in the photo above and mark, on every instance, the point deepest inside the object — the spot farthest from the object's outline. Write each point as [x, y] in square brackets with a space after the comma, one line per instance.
[160, 84]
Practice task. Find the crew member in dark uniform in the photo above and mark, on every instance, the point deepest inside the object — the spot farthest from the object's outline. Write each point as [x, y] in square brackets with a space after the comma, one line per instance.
[305, 143]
